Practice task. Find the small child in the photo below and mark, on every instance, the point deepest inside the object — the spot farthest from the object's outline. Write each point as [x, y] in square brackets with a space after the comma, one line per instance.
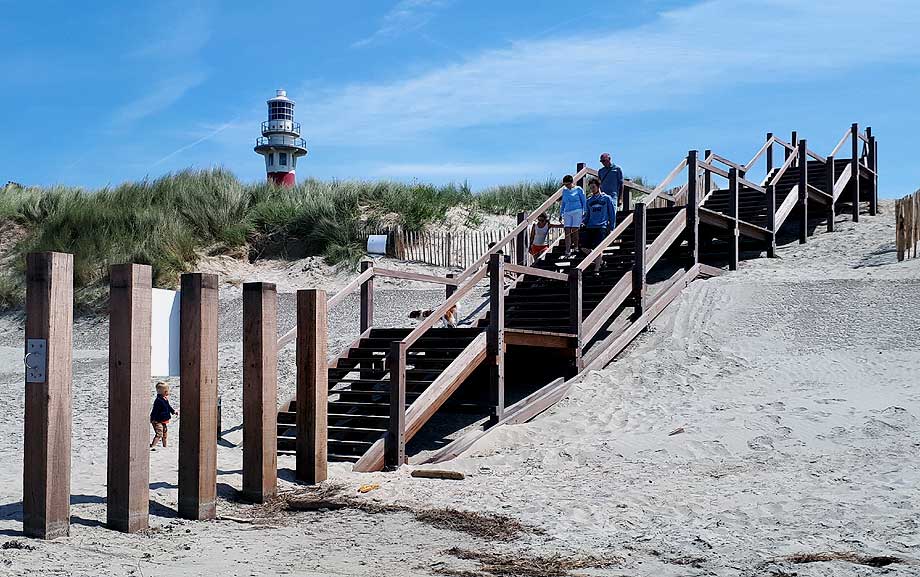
[161, 413]
[539, 235]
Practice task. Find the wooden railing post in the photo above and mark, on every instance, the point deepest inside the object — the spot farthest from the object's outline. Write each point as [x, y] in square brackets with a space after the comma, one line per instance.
[496, 337]
[450, 289]
[733, 213]
[312, 386]
[198, 400]
[693, 212]
[769, 154]
[803, 190]
[795, 144]
[639, 273]
[771, 220]
[394, 447]
[707, 176]
[576, 302]
[578, 168]
[260, 391]
[873, 166]
[521, 244]
[48, 404]
[128, 465]
[367, 298]
[830, 181]
[854, 170]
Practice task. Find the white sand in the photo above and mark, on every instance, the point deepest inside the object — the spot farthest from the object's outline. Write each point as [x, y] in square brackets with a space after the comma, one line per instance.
[795, 381]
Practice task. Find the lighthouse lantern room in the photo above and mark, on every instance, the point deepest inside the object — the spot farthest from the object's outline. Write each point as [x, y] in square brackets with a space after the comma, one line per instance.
[280, 143]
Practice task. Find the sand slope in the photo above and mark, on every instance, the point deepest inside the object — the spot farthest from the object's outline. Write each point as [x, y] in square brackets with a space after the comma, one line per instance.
[794, 380]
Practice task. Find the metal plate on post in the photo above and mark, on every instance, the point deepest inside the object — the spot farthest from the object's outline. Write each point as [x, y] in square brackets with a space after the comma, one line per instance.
[36, 360]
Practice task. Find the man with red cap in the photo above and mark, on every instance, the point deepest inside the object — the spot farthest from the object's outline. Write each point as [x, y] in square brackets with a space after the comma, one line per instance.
[611, 178]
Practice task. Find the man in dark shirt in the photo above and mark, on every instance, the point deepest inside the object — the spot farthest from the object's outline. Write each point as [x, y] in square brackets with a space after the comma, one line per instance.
[611, 178]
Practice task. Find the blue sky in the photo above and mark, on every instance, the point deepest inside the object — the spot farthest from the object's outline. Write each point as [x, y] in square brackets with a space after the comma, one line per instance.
[449, 90]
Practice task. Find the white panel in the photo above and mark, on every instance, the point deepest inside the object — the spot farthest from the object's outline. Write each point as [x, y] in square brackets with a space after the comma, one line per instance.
[164, 334]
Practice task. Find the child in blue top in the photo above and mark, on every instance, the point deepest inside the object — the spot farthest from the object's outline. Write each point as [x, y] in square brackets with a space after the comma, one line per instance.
[160, 414]
[573, 212]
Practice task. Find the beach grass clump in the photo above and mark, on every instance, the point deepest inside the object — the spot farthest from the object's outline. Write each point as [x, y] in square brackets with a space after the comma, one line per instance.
[170, 221]
[513, 198]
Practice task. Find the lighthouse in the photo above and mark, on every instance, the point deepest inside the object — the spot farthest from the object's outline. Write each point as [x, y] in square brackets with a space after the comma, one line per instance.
[280, 143]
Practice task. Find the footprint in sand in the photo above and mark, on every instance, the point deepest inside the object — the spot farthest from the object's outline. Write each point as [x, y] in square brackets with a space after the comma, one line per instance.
[761, 443]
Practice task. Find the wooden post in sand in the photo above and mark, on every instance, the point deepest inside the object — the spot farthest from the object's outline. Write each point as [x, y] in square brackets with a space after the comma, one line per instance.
[260, 391]
[495, 338]
[854, 170]
[198, 397]
[693, 209]
[803, 190]
[520, 247]
[829, 182]
[367, 298]
[312, 386]
[48, 407]
[128, 466]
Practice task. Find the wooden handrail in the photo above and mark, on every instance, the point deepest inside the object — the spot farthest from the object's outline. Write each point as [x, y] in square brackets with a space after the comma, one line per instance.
[484, 259]
[351, 287]
[751, 185]
[415, 276]
[728, 162]
[761, 152]
[664, 183]
[846, 136]
[608, 240]
[816, 156]
[520, 269]
[639, 187]
[712, 168]
[779, 174]
[439, 312]
[783, 143]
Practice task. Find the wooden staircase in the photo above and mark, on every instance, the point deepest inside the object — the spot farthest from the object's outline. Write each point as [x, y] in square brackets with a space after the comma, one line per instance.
[359, 387]
[391, 381]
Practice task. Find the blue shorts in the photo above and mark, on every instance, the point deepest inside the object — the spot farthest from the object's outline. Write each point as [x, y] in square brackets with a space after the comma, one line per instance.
[572, 219]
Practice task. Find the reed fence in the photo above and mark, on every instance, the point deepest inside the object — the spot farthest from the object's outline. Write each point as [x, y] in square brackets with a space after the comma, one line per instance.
[453, 248]
[907, 230]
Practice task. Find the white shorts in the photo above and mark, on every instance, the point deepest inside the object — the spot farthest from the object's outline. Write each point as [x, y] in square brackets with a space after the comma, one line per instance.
[572, 219]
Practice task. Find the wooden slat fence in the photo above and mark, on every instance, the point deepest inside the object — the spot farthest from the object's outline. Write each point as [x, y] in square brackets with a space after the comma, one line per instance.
[452, 248]
[907, 230]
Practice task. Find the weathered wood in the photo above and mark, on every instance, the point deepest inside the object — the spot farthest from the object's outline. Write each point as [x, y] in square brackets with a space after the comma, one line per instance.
[496, 338]
[529, 270]
[771, 220]
[854, 170]
[733, 214]
[598, 251]
[873, 166]
[576, 302]
[842, 181]
[693, 214]
[785, 208]
[431, 399]
[829, 187]
[610, 303]
[665, 239]
[521, 240]
[367, 298]
[198, 398]
[128, 464]
[48, 405]
[639, 286]
[709, 167]
[542, 339]
[803, 191]
[406, 275]
[792, 150]
[395, 440]
[312, 386]
[769, 146]
[449, 289]
[579, 168]
[289, 336]
[260, 391]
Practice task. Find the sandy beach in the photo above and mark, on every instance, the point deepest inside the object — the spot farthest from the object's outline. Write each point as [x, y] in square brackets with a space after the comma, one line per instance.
[767, 424]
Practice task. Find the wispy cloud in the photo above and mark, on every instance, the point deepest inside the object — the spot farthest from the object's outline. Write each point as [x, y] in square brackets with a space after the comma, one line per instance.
[405, 16]
[214, 132]
[160, 97]
[686, 52]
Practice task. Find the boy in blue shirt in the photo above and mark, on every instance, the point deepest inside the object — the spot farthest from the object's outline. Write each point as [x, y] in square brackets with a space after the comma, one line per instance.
[572, 211]
[600, 219]
[160, 414]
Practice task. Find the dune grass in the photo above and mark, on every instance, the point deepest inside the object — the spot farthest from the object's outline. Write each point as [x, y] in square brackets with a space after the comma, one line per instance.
[170, 221]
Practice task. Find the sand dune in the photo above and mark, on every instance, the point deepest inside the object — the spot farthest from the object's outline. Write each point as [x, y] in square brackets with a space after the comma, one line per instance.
[793, 382]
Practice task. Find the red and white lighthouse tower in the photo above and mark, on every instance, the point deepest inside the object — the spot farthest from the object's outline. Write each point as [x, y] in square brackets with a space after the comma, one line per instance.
[280, 143]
